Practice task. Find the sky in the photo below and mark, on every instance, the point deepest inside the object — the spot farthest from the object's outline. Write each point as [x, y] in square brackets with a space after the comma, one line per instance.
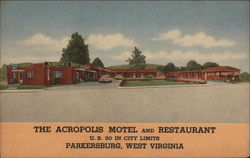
[165, 31]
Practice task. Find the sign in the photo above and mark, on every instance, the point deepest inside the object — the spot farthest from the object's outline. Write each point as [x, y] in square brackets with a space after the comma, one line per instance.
[21, 65]
[56, 63]
[70, 64]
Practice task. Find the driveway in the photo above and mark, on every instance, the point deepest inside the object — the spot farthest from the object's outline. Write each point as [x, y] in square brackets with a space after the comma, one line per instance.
[87, 85]
[94, 102]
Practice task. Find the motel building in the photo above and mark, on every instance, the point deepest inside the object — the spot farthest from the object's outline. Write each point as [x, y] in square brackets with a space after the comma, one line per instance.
[52, 73]
[225, 73]
[99, 71]
[135, 73]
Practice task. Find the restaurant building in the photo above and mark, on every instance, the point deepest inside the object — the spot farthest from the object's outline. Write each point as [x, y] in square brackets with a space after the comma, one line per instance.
[214, 73]
[52, 73]
[47, 73]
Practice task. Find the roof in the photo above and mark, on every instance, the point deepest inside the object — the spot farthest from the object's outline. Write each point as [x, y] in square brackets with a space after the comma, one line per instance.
[93, 65]
[134, 70]
[221, 68]
[186, 71]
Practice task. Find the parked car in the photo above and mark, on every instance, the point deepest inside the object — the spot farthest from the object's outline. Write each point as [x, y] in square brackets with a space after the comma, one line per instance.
[105, 79]
[118, 77]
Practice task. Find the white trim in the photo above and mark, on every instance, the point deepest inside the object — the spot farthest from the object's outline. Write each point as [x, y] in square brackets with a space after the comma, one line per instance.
[91, 71]
[17, 70]
[81, 69]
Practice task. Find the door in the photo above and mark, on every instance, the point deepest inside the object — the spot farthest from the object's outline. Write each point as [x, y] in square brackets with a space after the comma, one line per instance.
[77, 76]
[21, 77]
[14, 78]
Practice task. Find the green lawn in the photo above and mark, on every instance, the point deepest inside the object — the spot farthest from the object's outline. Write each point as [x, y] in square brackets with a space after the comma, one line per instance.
[152, 83]
[3, 85]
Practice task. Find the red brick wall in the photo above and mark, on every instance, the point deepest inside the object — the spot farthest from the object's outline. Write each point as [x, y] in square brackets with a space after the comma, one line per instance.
[67, 75]
[9, 74]
[37, 78]
[40, 75]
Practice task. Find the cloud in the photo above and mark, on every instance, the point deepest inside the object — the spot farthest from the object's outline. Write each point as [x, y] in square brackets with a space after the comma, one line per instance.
[106, 42]
[122, 57]
[188, 55]
[185, 56]
[198, 39]
[42, 42]
[30, 58]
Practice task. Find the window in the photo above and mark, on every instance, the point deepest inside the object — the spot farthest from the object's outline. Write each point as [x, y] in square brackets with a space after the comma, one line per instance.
[57, 74]
[20, 76]
[30, 74]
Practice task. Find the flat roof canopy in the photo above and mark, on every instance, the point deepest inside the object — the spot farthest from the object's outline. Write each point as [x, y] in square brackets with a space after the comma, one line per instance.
[81, 69]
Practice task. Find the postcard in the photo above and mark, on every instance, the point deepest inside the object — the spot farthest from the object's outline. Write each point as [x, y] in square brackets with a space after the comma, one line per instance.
[124, 79]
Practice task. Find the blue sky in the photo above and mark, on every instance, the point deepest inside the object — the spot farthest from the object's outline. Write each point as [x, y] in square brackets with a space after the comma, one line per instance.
[165, 31]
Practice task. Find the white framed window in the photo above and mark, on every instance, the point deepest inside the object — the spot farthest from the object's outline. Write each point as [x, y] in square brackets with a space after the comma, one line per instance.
[57, 74]
[30, 74]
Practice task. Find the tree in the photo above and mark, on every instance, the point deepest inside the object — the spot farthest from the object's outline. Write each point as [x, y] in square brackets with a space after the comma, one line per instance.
[193, 65]
[137, 58]
[97, 61]
[160, 68]
[245, 77]
[76, 51]
[209, 64]
[182, 68]
[3, 73]
[170, 67]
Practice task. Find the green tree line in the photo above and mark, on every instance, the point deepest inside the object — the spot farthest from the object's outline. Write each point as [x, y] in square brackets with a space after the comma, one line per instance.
[191, 65]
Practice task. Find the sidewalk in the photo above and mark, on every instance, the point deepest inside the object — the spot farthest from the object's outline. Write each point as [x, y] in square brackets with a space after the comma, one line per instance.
[20, 90]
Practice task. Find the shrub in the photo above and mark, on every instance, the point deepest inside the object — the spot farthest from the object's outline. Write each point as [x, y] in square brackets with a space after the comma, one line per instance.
[90, 79]
[14, 81]
[245, 77]
[75, 81]
[169, 79]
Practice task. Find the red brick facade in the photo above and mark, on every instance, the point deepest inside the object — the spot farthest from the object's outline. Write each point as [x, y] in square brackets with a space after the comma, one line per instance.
[42, 74]
[50, 73]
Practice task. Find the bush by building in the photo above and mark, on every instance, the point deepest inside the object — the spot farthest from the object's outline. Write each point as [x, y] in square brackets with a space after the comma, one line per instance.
[245, 77]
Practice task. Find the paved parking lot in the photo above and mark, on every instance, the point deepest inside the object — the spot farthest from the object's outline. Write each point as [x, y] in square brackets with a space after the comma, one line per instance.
[88, 85]
[94, 102]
